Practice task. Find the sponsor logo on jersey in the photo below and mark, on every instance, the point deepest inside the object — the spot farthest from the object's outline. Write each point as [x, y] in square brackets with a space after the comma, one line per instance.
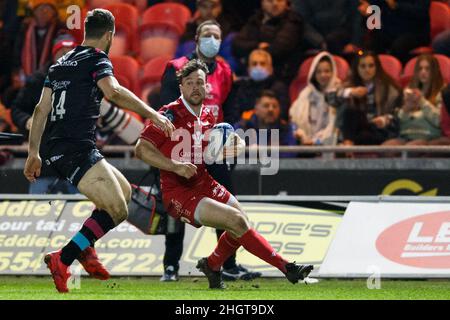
[58, 85]
[68, 63]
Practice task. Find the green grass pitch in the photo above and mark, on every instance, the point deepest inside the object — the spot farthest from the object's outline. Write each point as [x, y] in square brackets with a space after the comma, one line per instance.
[41, 288]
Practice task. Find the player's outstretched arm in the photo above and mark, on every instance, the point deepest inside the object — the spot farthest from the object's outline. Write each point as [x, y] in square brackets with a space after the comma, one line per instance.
[32, 168]
[126, 99]
[148, 153]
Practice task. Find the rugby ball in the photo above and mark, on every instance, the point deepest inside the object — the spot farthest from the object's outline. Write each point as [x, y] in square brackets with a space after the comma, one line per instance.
[221, 136]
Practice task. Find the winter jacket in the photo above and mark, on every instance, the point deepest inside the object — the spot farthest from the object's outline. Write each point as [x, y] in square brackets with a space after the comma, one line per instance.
[313, 101]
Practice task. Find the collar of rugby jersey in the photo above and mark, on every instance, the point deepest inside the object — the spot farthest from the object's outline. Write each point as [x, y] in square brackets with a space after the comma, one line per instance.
[186, 104]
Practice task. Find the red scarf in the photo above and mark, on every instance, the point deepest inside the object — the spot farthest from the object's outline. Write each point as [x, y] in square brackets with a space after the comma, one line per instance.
[29, 50]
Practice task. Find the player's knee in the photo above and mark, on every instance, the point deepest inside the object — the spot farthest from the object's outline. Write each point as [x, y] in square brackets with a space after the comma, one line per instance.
[119, 211]
[239, 224]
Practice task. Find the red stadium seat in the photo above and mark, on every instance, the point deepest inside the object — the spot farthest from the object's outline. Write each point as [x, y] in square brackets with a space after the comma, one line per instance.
[440, 17]
[167, 15]
[392, 66]
[127, 19]
[302, 76]
[162, 25]
[92, 4]
[123, 81]
[127, 67]
[408, 71]
[342, 67]
[153, 71]
[439, 21]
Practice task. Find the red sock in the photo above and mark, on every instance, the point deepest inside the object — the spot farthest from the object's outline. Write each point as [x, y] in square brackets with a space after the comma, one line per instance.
[226, 247]
[254, 243]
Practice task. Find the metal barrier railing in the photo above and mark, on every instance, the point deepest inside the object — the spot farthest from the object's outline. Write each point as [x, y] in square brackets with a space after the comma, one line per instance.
[383, 151]
[258, 198]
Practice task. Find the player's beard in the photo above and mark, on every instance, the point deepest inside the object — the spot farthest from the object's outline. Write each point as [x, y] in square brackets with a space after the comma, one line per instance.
[195, 100]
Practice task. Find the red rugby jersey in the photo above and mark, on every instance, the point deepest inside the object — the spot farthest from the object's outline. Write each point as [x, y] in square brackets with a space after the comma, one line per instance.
[193, 134]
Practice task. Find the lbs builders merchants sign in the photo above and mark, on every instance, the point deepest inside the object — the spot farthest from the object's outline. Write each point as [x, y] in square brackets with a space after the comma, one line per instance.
[391, 239]
[30, 228]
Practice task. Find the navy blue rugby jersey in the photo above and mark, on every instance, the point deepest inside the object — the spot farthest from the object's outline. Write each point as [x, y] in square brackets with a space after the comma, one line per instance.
[75, 95]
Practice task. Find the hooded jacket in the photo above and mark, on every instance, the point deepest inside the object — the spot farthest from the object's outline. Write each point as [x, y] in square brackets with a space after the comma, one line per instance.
[312, 101]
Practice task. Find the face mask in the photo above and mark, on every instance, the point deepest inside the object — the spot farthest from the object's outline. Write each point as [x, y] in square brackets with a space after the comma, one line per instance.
[259, 73]
[209, 47]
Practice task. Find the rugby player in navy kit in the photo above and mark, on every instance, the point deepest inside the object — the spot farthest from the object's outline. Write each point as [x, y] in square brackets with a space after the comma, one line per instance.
[70, 103]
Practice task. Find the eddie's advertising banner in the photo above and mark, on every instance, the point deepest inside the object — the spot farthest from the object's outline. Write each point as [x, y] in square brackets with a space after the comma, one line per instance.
[31, 228]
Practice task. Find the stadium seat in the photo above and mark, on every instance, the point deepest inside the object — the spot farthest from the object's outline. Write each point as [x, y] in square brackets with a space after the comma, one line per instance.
[439, 17]
[392, 66]
[408, 71]
[127, 67]
[153, 71]
[162, 25]
[302, 76]
[92, 4]
[127, 19]
[439, 21]
[168, 15]
[123, 81]
[157, 42]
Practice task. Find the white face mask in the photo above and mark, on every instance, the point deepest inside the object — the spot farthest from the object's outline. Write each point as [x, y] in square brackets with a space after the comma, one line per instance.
[209, 46]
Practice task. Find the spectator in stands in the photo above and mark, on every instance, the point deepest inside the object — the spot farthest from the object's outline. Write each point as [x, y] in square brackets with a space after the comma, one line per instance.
[260, 77]
[405, 26]
[314, 111]
[210, 10]
[220, 79]
[335, 26]
[276, 29]
[266, 115]
[34, 43]
[241, 11]
[370, 98]
[22, 110]
[420, 114]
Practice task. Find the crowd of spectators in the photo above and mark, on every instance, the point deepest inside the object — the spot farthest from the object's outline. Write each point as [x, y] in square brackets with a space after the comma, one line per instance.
[311, 69]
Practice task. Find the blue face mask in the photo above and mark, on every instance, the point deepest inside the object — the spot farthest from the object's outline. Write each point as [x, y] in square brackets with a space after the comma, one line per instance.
[209, 46]
[259, 73]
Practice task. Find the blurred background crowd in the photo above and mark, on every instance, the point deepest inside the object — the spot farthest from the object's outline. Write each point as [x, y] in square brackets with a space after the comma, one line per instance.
[310, 68]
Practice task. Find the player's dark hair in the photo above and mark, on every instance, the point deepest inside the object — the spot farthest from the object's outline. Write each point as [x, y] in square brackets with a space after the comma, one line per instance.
[206, 23]
[191, 66]
[98, 22]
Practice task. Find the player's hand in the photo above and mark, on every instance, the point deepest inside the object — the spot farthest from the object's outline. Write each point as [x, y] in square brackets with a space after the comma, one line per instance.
[185, 169]
[32, 167]
[235, 149]
[164, 124]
